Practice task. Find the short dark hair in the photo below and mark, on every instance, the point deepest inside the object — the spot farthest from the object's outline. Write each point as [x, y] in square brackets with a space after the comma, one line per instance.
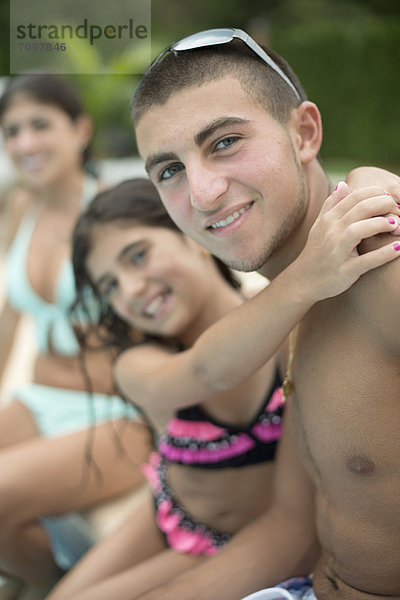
[131, 201]
[180, 70]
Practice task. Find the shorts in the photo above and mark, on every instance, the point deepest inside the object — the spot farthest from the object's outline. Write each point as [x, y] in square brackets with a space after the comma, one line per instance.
[182, 532]
[70, 538]
[297, 588]
[59, 411]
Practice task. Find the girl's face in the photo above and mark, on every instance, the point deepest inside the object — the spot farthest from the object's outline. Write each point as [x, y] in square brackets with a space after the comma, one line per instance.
[153, 278]
[43, 142]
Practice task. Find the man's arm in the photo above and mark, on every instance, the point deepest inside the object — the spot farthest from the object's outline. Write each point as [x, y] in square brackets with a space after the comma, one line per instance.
[280, 544]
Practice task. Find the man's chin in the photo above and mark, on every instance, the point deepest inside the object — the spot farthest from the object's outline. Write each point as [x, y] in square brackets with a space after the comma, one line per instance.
[244, 265]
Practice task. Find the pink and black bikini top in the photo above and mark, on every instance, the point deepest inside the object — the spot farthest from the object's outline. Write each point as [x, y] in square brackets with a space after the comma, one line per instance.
[193, 438]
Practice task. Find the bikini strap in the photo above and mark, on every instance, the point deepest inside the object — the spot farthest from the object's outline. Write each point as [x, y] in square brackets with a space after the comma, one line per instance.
[287, 384]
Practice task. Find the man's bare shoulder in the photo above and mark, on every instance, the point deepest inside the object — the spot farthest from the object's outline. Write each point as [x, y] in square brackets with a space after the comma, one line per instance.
[375, 297]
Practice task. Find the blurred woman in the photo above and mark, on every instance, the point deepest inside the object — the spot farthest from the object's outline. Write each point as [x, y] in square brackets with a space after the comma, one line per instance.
[52, 421]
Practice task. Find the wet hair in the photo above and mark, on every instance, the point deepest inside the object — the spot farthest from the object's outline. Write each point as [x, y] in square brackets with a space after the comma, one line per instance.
[131, 202]
[180, 70]
[45, 88]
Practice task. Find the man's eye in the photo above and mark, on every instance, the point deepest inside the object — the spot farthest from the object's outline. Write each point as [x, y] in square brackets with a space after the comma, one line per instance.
[170, 172]
[225, 143]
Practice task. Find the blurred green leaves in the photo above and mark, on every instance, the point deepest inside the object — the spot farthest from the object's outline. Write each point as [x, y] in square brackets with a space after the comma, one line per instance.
[346, 52]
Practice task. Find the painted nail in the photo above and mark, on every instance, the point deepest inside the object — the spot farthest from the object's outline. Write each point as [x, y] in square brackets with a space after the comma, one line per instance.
[387, 194]
[391, 221]
[396, 246]
[336, 187]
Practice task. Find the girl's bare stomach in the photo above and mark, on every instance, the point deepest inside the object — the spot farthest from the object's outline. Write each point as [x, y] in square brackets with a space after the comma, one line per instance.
[224, 499]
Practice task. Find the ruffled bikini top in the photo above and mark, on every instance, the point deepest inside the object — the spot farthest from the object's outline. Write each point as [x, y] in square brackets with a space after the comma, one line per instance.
[193, 438]
[52, 319]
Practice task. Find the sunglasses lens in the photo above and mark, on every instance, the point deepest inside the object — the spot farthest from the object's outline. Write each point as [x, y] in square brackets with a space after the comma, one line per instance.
[205, 38]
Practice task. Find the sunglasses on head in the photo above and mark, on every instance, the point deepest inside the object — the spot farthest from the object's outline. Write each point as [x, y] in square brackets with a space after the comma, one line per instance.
[213, 37]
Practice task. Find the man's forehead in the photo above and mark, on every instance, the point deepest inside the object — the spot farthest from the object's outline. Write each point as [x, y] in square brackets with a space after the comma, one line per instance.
[187, 113]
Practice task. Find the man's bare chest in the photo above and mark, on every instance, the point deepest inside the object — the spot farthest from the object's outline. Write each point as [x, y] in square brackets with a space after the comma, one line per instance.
[346, 403]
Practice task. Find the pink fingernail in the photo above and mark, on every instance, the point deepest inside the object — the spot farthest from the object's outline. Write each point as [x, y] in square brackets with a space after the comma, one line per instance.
[336, 187]
[387, 194]
[391, 221]
[396, 246]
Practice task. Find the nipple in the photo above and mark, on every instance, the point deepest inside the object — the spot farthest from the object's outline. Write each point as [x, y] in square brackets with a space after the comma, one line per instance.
[361, 465]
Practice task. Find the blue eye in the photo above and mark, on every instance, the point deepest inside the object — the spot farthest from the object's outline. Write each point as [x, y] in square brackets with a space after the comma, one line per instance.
[109, 288]
[138, 256]
[170, 171]
[225, 143]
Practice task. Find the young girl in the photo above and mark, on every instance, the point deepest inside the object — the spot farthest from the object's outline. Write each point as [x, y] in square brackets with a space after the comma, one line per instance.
[213, 400]
[46, 429]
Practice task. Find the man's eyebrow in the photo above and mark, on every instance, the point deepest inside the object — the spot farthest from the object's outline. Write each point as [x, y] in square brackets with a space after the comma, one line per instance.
[214, 126]
[155, 159]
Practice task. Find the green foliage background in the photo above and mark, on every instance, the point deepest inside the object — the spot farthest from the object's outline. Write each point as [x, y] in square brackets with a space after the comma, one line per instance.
[346, 52]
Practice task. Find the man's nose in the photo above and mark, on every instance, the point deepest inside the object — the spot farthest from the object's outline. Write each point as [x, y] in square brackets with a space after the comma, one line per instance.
[206, 186]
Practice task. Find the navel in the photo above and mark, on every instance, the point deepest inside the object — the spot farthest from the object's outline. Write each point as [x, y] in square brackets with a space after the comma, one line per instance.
[361, 465]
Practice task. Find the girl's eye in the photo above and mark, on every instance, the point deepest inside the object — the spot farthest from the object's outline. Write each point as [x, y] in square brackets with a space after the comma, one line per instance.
[138, 256]
[170, 172]
[225, 143]
[10, 132]
[109, 288]
[40, 124]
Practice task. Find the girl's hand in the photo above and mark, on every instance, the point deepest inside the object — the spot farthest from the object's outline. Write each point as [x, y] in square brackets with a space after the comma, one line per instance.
[363, 176]
[330, 260]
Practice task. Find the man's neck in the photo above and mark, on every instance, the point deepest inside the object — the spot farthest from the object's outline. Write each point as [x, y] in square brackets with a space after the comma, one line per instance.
[319, 188]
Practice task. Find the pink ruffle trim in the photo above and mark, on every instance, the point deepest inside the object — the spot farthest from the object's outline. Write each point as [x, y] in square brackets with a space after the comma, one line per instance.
[242, 444]
[182, 540]
[267, 433]
[199, 430]
[149, 470]
[276, 400]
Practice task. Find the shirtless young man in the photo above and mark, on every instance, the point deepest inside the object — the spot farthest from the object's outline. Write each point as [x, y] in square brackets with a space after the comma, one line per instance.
[232, 146]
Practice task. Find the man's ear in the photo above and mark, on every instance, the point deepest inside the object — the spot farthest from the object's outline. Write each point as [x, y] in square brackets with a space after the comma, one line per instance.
[306, 120]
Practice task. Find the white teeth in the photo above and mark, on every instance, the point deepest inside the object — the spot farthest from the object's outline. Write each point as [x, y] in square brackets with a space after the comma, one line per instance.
[31, 162]
[231, 218]
[154, 306]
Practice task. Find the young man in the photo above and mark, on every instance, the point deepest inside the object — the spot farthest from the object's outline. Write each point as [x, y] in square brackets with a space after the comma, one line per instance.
[232, 145]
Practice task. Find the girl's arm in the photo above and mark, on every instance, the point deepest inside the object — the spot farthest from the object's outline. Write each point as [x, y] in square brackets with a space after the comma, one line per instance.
[242, 341]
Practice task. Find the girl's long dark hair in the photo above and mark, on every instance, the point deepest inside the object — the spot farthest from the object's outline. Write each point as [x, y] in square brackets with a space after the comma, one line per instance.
[132, 201]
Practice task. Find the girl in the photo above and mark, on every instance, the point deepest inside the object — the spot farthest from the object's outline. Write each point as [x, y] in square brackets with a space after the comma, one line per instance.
[194, 360]
[45, 430]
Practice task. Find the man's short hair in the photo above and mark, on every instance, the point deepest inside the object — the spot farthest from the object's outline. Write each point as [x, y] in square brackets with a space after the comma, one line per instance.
[180, 70]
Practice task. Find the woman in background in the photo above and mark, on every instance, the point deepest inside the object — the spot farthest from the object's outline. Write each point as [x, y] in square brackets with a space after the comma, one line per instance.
[46, 430]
